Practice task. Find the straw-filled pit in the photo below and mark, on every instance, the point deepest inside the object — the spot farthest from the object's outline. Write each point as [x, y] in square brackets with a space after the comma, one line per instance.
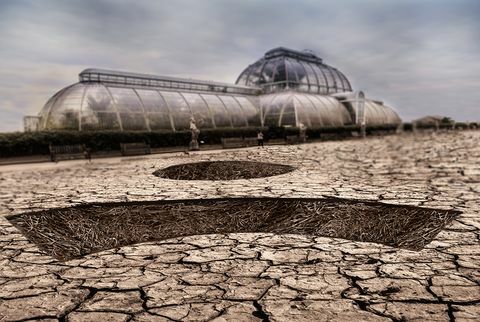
[73, 232]
[223, 170]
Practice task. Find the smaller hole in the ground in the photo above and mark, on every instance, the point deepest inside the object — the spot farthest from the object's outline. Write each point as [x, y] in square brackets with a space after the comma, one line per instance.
[223, 170]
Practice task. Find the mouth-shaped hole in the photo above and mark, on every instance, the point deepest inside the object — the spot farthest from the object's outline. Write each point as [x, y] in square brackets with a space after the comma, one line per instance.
[68, 233]
[223, 170]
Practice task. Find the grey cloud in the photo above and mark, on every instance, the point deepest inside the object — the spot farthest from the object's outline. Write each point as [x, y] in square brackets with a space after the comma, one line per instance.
[417, 56]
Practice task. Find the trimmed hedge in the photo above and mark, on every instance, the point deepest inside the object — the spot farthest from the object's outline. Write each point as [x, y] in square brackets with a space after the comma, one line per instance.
[444, 126]
[36, 143]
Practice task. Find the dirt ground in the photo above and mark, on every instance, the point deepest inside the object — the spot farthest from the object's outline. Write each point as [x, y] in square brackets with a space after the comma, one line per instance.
[255, 276]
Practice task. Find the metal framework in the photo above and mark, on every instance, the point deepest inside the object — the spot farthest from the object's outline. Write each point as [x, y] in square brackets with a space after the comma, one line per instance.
[286, 69]
[107, 106]
[93, 75]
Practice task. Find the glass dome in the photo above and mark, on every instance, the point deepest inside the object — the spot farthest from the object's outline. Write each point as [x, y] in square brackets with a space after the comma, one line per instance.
[282, 68]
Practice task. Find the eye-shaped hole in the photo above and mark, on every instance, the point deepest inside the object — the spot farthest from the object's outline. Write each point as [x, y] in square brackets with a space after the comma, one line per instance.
[223, 170]
[77, 231]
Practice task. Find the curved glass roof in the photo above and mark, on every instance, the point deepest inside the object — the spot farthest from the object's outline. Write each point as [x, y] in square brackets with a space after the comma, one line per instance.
[282, 68]
[291, 109]
[314, 111]
[98, 106]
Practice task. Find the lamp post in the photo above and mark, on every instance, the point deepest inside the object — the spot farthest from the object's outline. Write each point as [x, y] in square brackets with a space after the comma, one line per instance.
[360, 115]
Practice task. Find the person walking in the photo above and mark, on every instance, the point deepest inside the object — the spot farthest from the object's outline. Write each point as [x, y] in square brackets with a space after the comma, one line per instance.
[260, 138]
[87, 152]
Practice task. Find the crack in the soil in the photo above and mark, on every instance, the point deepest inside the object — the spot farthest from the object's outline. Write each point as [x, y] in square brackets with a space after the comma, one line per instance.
[260, 313]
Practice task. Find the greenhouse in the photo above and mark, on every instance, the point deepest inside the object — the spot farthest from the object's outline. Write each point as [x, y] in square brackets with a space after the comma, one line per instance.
[283, 88]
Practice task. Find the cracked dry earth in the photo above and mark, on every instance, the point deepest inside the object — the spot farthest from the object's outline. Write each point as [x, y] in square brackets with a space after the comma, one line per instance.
[255, 277]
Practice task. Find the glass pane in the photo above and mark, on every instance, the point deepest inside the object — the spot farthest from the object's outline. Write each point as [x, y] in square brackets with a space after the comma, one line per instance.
[312, 77]
[291, 73]
[220, 115]
[98, 111]
[300, 76]
[235, 110]
[332, 85]
[346, 83]
[272, 107]
[330, 114]
[242, 79]
[369, 115]
[97, 99]
[46, 108]
[267, 73]
[129, 108]
[302, 113]
[100, 121]
[255, 73]
[288, 119]
[271, 119]
[338, 80]
[65, 111]
[375, 114]
[322, 79]
[152, 101]
[314, 89]
[179, 110]
[333, 112]
[287, 116]
[133, 121]
[311, 110]
[251, 112]
[159, 121]
[279, 75]
[200, 110]
[126, 100]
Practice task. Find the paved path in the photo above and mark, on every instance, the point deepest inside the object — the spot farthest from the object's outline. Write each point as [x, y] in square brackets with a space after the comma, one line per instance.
[253, 277]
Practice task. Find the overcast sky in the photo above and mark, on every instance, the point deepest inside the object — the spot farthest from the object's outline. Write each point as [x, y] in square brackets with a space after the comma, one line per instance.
[421, 57]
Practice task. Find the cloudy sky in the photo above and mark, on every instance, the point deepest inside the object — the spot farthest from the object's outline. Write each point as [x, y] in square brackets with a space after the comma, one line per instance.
[420, 56]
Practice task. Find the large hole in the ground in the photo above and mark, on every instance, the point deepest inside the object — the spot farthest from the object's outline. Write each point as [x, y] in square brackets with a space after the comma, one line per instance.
[68, 233]
[223, 170]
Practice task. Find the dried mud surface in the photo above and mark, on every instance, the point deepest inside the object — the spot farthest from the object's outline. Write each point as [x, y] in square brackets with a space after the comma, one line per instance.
[73, 232]
[255, 276]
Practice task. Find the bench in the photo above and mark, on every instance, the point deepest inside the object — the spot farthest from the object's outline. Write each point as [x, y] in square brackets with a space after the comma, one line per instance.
[250, 141]
[292, 139]
[67, 152]
[135, 148]
[238, 142]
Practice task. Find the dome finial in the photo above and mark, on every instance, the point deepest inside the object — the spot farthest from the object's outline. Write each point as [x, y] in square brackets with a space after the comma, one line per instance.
[310, 52]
